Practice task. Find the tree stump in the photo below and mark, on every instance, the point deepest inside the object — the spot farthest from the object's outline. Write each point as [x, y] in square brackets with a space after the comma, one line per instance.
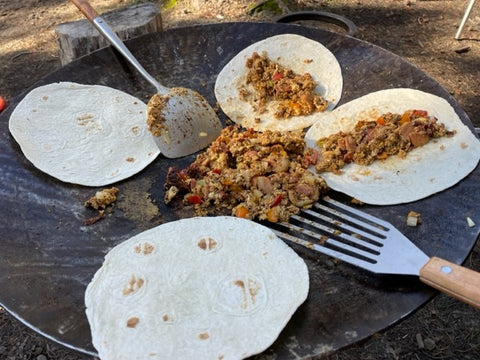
[79, 38]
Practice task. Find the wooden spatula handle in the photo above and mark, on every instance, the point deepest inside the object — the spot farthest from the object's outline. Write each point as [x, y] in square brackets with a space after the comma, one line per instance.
[87, 9]
[452, 279]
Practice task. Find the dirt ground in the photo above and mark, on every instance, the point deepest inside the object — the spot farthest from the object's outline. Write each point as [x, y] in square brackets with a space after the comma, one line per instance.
[420, 31]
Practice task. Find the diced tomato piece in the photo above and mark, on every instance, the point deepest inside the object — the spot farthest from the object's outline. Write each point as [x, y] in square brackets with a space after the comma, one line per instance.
[277, 200]
[193, 199]
[419, 113]
[183, 174]
[3, 104]
[217, 171]
[412, 114]
[277, 76]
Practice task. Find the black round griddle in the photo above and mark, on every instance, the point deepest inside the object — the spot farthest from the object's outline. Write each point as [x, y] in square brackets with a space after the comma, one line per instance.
[47, 255]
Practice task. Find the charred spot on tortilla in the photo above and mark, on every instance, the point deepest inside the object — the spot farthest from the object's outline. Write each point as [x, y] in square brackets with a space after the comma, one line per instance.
[389, 134]
[271, 81]
[144, 248]
[204, 335]
[132, 322]
[135, 130]
[86, 119]
[133, 285]
[207, 244]
[253, 175]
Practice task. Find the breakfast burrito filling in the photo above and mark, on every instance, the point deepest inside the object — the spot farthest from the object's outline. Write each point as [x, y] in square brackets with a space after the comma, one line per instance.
[389, 134]
[255, 175]
[295, 93]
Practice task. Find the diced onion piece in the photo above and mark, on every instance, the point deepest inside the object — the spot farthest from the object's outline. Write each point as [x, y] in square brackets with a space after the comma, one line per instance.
[413, 218]
[470, 222]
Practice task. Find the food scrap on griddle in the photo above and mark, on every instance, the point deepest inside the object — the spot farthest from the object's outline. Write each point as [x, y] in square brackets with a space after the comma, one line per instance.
[100, 201]
[413, 218]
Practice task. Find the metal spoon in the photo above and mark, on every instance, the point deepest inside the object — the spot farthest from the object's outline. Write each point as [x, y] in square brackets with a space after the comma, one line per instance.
[181, 120]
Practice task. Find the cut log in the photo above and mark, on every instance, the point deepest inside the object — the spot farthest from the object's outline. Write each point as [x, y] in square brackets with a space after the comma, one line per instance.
[79, 38]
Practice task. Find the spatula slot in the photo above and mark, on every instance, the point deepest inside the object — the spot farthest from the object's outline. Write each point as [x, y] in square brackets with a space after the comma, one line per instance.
[352, 216]
[319, 229]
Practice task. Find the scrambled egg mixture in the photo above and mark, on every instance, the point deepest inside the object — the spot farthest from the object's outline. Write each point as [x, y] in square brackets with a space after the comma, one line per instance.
[260, 176]
[390, 134]
[294, 93]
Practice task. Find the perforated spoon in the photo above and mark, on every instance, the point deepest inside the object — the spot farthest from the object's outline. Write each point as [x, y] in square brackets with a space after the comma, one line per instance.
[181, 120]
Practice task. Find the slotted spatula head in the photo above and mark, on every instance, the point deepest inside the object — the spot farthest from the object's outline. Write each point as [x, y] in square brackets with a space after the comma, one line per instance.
[348, 234]
[355, 237]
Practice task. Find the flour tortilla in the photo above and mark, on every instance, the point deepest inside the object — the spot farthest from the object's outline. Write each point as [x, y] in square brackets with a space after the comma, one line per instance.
[293, 52]
[198, 288]
[425, 170]
[83, 134]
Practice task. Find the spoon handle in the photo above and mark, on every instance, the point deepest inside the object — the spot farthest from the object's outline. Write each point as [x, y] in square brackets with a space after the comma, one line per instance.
[86, 9]
[104, 29]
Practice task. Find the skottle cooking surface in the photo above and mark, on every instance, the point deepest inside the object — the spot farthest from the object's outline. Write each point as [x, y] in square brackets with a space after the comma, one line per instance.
[49, 256]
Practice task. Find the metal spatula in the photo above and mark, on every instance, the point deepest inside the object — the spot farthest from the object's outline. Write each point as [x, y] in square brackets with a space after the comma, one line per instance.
[353, 236]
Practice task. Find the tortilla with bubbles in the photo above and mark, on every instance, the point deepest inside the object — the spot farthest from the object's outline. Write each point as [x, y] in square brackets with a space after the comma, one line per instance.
[89, 135]
[295, 52]
[425, 170]
[197, 288]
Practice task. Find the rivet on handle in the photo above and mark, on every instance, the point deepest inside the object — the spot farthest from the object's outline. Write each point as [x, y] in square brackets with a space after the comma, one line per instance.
[446, 269]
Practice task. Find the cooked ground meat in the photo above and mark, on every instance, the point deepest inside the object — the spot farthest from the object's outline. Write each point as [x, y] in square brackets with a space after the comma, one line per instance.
[261, 176]
[271, 81]
[390, 134]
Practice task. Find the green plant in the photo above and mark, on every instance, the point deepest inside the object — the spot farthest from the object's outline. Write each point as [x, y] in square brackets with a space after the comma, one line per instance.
[168, 4]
